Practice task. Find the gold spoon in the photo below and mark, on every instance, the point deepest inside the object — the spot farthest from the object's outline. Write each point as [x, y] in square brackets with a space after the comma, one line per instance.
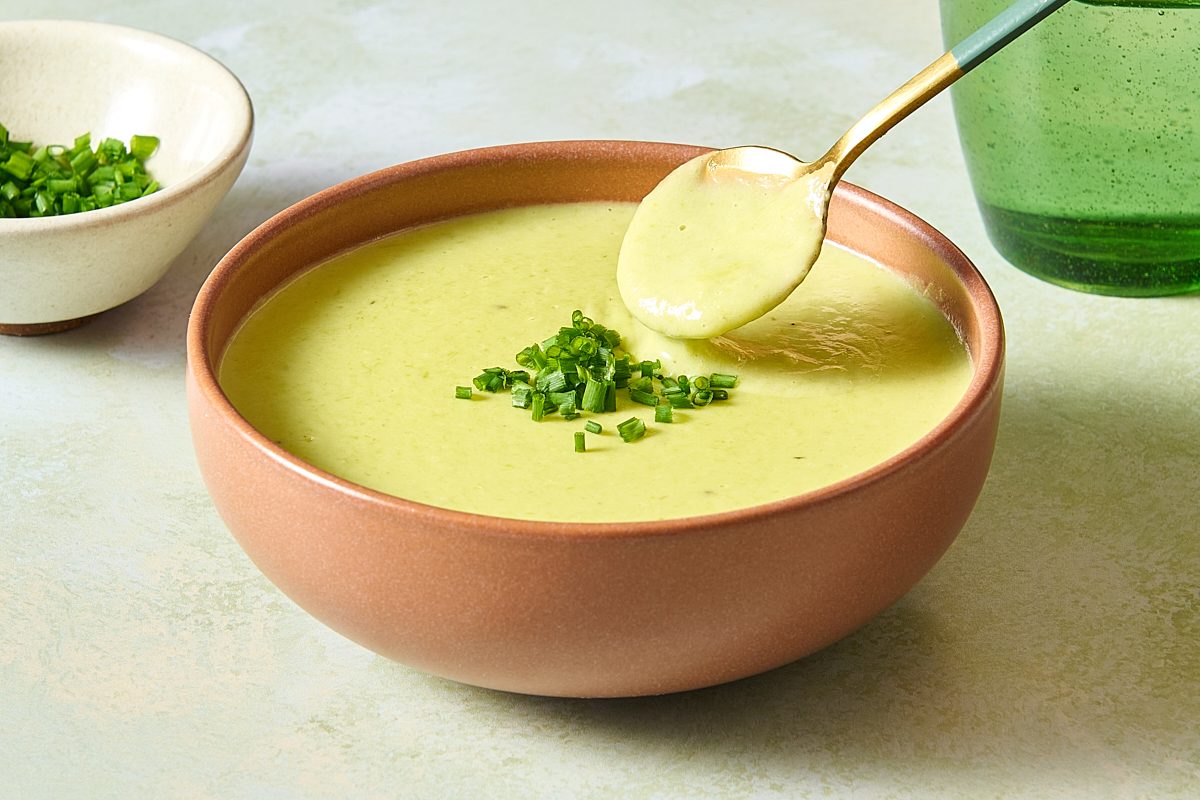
[683, 265]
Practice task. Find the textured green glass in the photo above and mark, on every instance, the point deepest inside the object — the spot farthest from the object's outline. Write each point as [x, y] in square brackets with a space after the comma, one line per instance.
[1083, 143]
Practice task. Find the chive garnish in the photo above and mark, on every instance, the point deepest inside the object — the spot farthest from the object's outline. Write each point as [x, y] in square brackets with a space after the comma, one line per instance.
[52, 180]
[632, 429]
[576, 371]
[610, 396]
[580, 442]
[645, 398]
[462, 392]
[593, 395]
[522, 395]
[549, 380]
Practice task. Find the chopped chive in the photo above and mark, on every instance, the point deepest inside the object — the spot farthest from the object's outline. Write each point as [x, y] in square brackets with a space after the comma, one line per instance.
[576, 371]
[632, 429]
[52, 179]
[532, 357]
[462, 392]
[551, 381]
[522, 394]
[580, 442]
[142, 147]
[645, 398]
[610, 396]
[643, 384]
[19, 165]
[593, 396]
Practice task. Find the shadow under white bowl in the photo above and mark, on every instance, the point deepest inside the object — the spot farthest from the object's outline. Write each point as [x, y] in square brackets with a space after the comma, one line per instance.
[59, 79]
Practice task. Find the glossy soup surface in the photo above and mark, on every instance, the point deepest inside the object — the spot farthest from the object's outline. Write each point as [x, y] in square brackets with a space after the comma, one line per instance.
[352, 366]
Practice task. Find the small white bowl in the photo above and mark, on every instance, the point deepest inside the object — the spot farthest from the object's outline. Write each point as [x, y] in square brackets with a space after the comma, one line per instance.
[59, 79]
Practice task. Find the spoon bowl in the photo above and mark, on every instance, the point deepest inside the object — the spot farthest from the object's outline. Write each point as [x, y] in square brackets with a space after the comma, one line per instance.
[722, 240]
[758, 160]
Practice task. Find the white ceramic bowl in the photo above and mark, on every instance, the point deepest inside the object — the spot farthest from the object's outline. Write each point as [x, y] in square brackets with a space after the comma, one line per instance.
[59, 79]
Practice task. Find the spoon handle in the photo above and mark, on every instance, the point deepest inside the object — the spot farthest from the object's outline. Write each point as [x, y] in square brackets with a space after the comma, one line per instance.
[965, 56]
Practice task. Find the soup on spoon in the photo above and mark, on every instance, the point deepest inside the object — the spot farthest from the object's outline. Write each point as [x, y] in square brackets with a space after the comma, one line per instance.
[727, 236]
[718, 244]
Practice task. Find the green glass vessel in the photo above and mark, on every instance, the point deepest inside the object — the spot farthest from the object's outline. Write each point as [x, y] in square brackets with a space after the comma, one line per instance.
[1083, 143]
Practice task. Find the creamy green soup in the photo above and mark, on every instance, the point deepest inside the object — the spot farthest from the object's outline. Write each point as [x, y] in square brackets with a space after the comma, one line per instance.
[352, 367]
[712, 247]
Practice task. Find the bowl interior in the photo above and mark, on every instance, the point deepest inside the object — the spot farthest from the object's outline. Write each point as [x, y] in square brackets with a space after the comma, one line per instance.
[59, 79]
[416, 193]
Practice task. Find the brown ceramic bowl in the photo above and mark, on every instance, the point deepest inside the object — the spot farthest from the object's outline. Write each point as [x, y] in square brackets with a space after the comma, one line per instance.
[584, 609]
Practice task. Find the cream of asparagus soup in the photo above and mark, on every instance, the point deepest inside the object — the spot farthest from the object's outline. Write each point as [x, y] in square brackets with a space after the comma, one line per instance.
[353, 366]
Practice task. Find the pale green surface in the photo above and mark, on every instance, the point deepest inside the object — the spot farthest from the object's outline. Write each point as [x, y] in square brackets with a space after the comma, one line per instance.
[1052, 652]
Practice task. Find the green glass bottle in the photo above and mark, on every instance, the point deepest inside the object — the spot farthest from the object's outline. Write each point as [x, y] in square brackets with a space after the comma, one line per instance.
[1083, 143]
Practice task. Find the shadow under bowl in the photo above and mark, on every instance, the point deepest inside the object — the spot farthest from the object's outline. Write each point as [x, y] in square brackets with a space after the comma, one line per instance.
[584, 609]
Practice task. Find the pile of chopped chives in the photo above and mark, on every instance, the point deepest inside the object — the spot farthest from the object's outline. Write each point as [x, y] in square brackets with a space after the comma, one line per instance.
[580, 369]
[50, 180]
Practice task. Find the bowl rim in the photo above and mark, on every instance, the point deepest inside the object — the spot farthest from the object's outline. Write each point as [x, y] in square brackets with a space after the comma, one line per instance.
[986, 379]
[231, 86]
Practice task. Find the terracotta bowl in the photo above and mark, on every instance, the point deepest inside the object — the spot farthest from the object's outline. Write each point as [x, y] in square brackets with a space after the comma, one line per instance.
[61, 78]
[584, 609]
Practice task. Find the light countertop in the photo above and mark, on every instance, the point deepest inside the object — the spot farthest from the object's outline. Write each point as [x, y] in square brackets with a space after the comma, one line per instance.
[1053, 652]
